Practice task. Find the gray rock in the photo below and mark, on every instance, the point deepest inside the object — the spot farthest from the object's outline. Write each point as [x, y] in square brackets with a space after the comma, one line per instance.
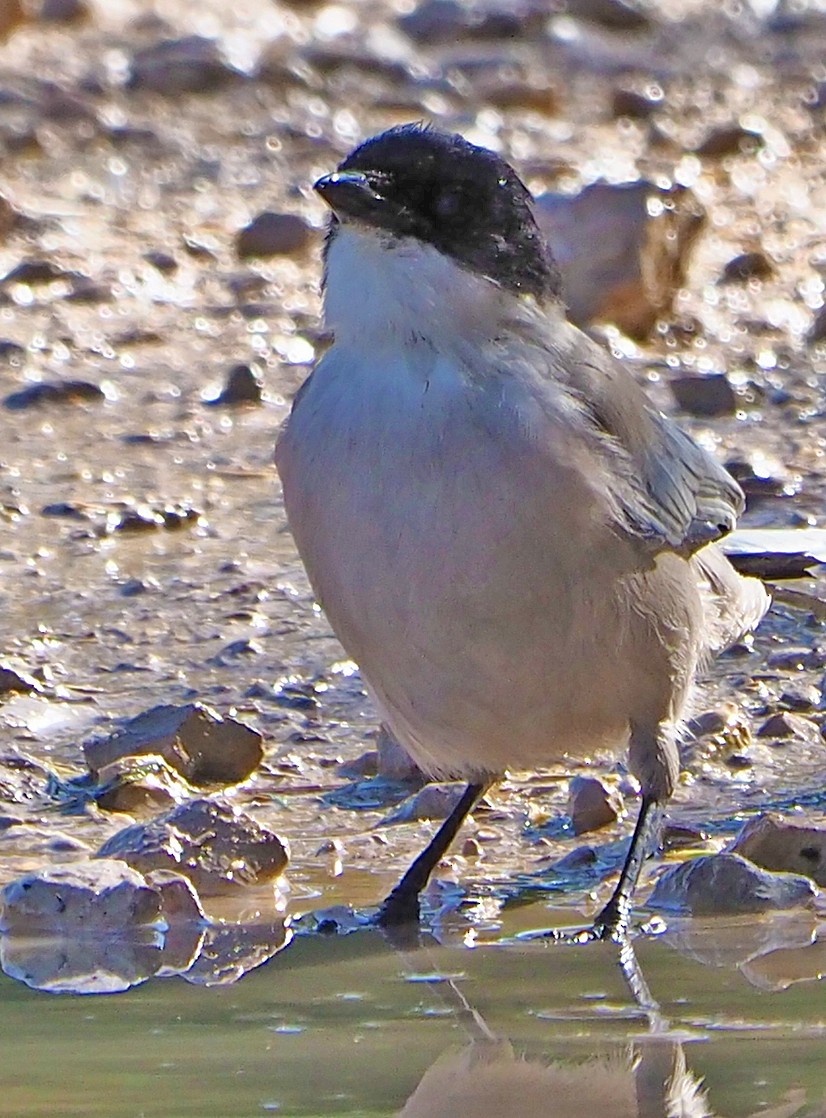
[726, 884]
[747, 266]
[708, 396]
[618, 262]
[93, 898]
[193, 739]
[776, 843]
[786, 724]
[216, 846]
[435, 21]
[193, 64]
[394, 762]
[593, 804]
[13, 681]
[273, 234]
[243, 386]
[434, 801]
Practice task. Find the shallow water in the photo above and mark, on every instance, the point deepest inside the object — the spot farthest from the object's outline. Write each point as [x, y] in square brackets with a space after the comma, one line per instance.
[348, 1025]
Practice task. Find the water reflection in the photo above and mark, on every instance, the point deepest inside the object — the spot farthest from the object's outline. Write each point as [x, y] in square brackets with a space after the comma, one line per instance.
[488, 1079]
[205, 955]
[351, 1025]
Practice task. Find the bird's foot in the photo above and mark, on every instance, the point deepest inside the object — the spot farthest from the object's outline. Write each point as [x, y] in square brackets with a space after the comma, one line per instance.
[610, 925]
[399, 908]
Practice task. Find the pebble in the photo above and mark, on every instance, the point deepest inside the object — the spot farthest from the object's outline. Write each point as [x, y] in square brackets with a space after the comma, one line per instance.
[817, 331]
[63, 11]
[243, 386]
[434, 21]
[747, 266]
[593, 804]
[708, 396]
[434, 801]
[193, 64]
[193, 739]
[54, 392]
[394, 762]
[726, 884]
[776, 843]
[786, 724]
[729, 140]
[14, 681]
[274, 234]
[218, 847]
[634, 104]
[134, 784]
[802, 698]
[616, 15]
[163, 261]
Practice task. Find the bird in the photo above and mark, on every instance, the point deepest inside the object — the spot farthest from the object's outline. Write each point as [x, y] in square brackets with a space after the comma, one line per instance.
[517, 549]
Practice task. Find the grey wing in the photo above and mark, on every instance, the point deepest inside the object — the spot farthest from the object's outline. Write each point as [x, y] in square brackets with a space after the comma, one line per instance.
[667, 489]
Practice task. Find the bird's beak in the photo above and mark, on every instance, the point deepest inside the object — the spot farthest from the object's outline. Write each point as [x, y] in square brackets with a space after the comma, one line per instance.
[348, 194]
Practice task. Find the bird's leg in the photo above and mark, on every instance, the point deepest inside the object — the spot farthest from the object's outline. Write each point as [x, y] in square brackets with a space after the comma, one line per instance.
[612, 922]
[402, 905]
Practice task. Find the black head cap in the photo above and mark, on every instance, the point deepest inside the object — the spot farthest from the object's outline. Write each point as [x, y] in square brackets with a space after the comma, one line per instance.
[413, 181]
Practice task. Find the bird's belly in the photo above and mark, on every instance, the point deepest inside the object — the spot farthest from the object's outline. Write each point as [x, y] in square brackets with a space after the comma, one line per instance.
[490, 618]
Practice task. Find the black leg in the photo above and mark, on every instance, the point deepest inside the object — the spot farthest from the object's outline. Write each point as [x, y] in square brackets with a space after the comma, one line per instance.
[612, 922]
[402, 905]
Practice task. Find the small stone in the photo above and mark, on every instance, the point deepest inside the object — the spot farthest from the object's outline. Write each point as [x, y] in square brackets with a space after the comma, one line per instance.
[138, 783]
[64, 510]
[709, 396]
[33, 272]
[786, 724]
[678, 836]
[63, 11]
[243, 386]
[11, 352]
[802, 698]
[193, 64]
[394, 762]
[747, 266]
[616, 15]
[273, 234]
[635, 104]
[622, 250]
[163, 261]
[726, 884]
[776, 843]
[15, 682]
[56, 392]
[203, 747]
[583, 857]
[434, 801]
[729, 140]
[471, 848]
[593, 804]
[215, 845]
[362, 767]
[817, 331]
[434, 21]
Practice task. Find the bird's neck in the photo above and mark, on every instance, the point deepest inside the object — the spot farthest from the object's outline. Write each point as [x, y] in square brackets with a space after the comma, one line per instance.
[381, 291]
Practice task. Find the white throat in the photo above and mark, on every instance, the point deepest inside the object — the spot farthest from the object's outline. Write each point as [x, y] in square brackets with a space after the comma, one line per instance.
[382, 289]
